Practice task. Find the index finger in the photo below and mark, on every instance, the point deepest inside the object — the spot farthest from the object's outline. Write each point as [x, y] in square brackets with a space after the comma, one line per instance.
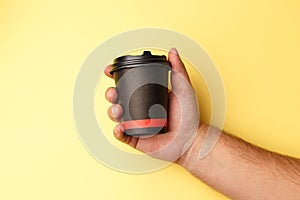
[107, 71]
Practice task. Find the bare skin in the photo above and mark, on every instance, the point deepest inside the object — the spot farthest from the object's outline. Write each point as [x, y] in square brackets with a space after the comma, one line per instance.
[234, 167]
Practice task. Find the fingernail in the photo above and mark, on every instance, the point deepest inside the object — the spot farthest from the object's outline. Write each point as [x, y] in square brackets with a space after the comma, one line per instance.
[109, 94]
[114, 111]
[174, 51]
[118, 132]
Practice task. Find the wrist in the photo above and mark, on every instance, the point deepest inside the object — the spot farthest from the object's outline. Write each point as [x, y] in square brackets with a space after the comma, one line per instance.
[187, 159]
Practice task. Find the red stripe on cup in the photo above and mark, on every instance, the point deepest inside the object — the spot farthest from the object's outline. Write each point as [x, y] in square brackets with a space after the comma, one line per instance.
[144, 123]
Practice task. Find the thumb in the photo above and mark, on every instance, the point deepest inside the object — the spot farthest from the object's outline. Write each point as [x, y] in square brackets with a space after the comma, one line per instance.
[178, 68]
[176, 63]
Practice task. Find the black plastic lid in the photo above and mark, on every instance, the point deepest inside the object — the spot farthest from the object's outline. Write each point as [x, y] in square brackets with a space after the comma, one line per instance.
[133, 61]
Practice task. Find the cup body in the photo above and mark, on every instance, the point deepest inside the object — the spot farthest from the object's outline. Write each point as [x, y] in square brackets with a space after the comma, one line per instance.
[143, 94]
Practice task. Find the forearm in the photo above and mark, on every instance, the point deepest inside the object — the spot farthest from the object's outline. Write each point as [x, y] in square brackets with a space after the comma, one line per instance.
[243, 171]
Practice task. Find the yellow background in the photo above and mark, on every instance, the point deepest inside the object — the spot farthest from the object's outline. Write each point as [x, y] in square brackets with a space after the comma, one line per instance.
[255, 45]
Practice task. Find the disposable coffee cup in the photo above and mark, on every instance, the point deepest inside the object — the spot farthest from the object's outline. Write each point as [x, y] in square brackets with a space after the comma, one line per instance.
[142, 86]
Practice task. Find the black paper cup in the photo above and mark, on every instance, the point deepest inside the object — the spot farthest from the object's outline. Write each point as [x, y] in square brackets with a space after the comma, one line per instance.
[142, 86]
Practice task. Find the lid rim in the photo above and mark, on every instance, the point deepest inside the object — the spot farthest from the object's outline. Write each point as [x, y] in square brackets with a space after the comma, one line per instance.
[114, 69]
[128, 61]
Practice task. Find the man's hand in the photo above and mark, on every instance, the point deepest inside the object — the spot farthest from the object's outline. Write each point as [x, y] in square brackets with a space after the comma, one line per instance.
[234, 167]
